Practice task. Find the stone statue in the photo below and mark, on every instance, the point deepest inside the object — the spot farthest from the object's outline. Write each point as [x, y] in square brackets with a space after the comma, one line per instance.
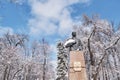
[63, 56]
[73, 43]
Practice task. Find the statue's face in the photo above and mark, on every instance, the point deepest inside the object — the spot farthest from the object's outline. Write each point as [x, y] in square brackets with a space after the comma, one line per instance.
[73, 34]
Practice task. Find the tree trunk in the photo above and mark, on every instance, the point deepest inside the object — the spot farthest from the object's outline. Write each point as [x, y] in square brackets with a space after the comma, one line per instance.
[5, 73]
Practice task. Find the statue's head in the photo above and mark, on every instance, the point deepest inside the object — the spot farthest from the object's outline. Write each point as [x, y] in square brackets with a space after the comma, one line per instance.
[73, 34]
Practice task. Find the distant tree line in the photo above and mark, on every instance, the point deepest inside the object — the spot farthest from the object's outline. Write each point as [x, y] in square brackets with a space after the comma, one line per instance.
[19, 61]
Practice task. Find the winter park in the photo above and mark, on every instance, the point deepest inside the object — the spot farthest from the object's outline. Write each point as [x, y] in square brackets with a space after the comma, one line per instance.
[59, 40]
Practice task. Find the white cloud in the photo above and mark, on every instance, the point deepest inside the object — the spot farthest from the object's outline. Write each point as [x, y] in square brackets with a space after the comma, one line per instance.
[66, 23]
[20, 2]
[76, 1]
[41, 27]
[49, 9]
[4, 30]
[44, 12]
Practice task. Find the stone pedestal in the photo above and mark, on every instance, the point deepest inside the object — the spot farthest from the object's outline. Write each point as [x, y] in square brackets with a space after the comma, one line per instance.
[77, 69]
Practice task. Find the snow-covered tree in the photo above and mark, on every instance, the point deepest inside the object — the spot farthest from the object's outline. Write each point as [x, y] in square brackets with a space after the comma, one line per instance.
[10, 57]
[62, 61]
[19, 61]
[101, 46]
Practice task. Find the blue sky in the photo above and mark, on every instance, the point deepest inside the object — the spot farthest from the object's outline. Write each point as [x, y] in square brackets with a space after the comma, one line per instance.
[52, 19]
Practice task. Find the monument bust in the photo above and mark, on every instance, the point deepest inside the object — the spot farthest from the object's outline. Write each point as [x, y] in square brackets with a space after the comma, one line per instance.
[73, 43]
